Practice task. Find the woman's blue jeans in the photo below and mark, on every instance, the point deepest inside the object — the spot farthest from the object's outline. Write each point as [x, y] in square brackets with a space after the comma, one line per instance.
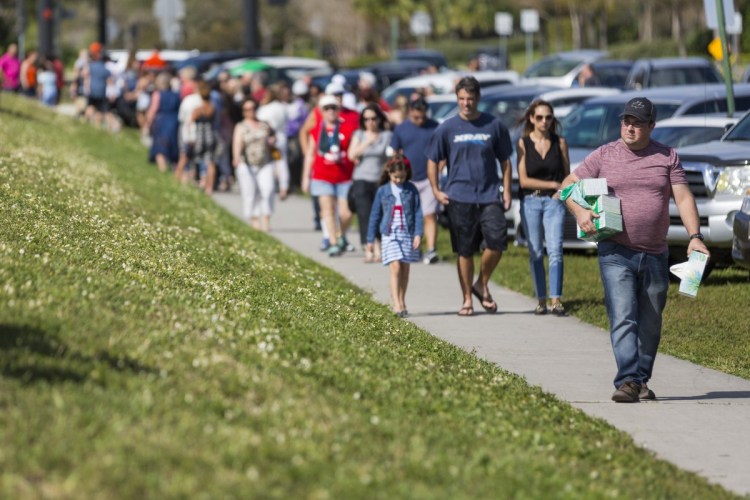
[635, 293]
[542, 218]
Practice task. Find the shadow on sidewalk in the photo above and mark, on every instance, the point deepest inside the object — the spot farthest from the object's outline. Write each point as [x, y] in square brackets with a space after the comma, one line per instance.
[709, 395]
[477, 312]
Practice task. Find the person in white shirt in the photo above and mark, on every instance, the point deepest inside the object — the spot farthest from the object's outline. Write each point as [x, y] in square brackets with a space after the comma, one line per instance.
[274, 113]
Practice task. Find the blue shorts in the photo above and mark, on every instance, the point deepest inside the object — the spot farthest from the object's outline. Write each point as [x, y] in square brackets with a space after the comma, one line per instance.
[323, 188]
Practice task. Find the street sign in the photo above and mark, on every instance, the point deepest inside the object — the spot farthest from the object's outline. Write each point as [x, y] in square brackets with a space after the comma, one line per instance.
[529, 20]
[503, 23]
[712, 19]
[714, 48]
[420, 23]
[736, 27]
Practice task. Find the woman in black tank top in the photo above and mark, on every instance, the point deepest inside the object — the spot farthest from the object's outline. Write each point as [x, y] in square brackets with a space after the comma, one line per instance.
[543, 163]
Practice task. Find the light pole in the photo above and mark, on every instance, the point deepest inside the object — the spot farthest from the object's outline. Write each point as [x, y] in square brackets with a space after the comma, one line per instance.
[21, 19]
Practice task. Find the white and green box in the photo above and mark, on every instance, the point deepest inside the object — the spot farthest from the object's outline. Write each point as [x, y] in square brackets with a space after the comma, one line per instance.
[605, 203]
[593, 187]
[608, 224]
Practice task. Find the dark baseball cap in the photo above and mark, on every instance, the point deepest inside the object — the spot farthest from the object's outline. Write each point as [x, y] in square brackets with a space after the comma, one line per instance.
[641, 108]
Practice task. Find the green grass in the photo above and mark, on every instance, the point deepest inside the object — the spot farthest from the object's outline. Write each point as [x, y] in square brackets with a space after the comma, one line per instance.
[151, 345]
[710, 330]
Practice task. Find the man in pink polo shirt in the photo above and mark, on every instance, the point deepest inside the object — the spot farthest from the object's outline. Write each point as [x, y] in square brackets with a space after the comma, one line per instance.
[633, 264]
[10, 69]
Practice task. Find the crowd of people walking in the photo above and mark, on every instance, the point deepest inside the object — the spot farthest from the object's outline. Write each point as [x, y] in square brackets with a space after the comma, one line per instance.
[396, 169]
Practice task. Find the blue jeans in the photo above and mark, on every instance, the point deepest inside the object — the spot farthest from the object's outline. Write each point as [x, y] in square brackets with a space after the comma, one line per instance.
[635, 293]
[542, 218]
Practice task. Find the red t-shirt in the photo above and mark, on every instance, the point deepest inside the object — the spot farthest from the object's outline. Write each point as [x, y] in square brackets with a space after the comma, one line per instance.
[335, 166]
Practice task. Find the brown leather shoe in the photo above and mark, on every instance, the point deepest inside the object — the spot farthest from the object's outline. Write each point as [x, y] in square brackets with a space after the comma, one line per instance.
[646, 393]
[627, 393]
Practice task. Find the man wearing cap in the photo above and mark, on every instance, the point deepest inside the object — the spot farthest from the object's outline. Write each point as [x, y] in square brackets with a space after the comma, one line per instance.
[634, 263]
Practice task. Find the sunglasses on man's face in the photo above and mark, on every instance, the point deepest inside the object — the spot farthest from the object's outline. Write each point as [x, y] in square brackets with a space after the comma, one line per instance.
[547, 118]
[329, 107]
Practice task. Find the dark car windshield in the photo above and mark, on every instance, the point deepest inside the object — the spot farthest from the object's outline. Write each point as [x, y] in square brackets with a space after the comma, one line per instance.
[686, 136]
[552, 67]
[665, 77]
[741, 131]
[591, 125]
[509, 109]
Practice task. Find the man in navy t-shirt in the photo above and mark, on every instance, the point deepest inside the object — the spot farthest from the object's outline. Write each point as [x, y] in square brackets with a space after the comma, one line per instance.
[474, 195]
[412, 138]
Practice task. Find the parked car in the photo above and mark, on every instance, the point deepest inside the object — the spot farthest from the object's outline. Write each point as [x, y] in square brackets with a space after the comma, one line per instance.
[690, 130]
[561, 69]
[671, 71]
[390, 72]
[612, 73]
[322, 77]
[432, 57]
[491, 58]
[173, 58]
[276, 67]
[741, 234]
[205, 61]
[597, 121]
[564, 101]
[443, 83]
[719, 175]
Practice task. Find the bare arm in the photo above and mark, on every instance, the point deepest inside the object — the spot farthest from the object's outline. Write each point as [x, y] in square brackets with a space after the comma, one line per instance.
[507, 181]
[307, 167]
[356, 148]
[237, 145]
[151, 113]
[584, 216]
[689, 214]
[565, 158]
[304, 131]
[432, 174]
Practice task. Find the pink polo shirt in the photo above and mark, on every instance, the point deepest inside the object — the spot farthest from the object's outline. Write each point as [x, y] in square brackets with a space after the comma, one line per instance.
[643, 181]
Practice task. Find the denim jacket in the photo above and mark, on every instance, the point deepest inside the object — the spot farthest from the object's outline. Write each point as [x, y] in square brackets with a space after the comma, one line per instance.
[382, 211]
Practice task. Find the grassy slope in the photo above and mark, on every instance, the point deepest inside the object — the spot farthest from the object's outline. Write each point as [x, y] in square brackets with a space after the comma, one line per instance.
[150, 344]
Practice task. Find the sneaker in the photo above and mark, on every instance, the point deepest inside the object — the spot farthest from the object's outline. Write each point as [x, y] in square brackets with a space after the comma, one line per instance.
[540, 310]
[338, 248]
[431, 257]
[627, 393]
[558, 310]
[325, 244]
[646, 393]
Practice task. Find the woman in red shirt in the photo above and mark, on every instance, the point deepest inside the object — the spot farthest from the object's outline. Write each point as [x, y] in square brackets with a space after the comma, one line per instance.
[328, 170]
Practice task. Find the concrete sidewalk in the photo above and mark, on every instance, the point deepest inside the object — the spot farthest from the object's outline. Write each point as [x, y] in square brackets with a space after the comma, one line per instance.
[700, 422]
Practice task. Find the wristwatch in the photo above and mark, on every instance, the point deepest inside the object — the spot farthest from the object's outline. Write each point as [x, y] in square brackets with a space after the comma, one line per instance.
[697, 235]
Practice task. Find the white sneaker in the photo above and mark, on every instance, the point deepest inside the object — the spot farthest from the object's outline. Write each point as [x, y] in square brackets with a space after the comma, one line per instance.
[431, 257]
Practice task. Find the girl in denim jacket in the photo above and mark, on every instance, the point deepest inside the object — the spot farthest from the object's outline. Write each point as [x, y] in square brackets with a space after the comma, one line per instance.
[397, 214]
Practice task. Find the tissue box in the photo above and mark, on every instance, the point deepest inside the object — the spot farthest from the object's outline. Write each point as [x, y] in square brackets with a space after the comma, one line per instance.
[608, 224]
[690, 273]
[593, 187]
[605, 204]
